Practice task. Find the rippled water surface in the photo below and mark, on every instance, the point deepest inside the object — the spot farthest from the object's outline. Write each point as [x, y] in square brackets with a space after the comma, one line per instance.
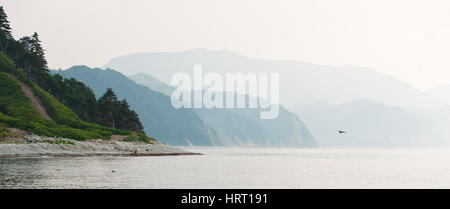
[236, 168]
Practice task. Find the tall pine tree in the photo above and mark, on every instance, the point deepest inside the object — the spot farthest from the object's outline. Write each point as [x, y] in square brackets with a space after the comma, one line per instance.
[38, 53]
[32, 59]
[4, 23]
[5, 30]
[108, 108]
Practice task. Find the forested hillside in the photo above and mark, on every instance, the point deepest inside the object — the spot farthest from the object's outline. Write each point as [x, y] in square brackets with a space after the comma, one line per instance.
[68, 102]
[28, 55]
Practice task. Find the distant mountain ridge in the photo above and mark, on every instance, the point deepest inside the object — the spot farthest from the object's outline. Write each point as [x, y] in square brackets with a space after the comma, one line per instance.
[153, 83]
[300, 83]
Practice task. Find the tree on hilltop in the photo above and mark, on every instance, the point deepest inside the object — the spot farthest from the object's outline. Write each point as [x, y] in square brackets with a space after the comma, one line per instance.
[4, 23]
[5, 30]
[117, 114]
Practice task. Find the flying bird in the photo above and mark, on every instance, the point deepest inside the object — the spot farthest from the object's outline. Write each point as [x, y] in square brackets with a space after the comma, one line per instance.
[341, 132]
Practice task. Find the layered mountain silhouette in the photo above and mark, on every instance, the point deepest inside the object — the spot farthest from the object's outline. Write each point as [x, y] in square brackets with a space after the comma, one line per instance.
[201, 127]
[152, 82]
[243, 126]
[375, 109]
[300, 83]
[160, 120]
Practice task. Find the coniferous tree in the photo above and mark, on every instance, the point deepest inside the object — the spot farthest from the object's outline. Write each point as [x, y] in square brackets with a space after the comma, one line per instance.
[4, 23]
[5, 30]
[117, 114]
[108, 108]
[38, 53]
[4, 42]
[32, 58]
[24, 56]
[74, 94]
[129, 119]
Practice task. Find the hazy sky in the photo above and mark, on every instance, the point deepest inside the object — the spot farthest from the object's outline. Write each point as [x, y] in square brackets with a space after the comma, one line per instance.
[409, 39]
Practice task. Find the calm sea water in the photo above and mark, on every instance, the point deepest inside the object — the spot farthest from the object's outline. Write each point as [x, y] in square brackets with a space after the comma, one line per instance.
[237, 168]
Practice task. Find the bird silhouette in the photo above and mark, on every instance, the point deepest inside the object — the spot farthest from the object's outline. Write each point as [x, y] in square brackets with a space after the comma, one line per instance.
[341, 132]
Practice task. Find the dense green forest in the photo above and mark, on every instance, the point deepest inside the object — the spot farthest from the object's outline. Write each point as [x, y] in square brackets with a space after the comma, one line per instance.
[28, 57]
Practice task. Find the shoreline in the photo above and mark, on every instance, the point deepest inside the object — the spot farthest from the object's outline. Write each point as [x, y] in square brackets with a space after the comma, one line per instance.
[96, 154]
[29, 145]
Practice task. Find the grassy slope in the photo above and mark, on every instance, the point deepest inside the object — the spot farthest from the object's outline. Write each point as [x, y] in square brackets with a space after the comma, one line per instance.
[16, 111]
[13, 101]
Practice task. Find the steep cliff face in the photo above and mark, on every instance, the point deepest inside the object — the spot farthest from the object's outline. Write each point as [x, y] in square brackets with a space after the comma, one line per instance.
[241, 127]
[244, 127]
